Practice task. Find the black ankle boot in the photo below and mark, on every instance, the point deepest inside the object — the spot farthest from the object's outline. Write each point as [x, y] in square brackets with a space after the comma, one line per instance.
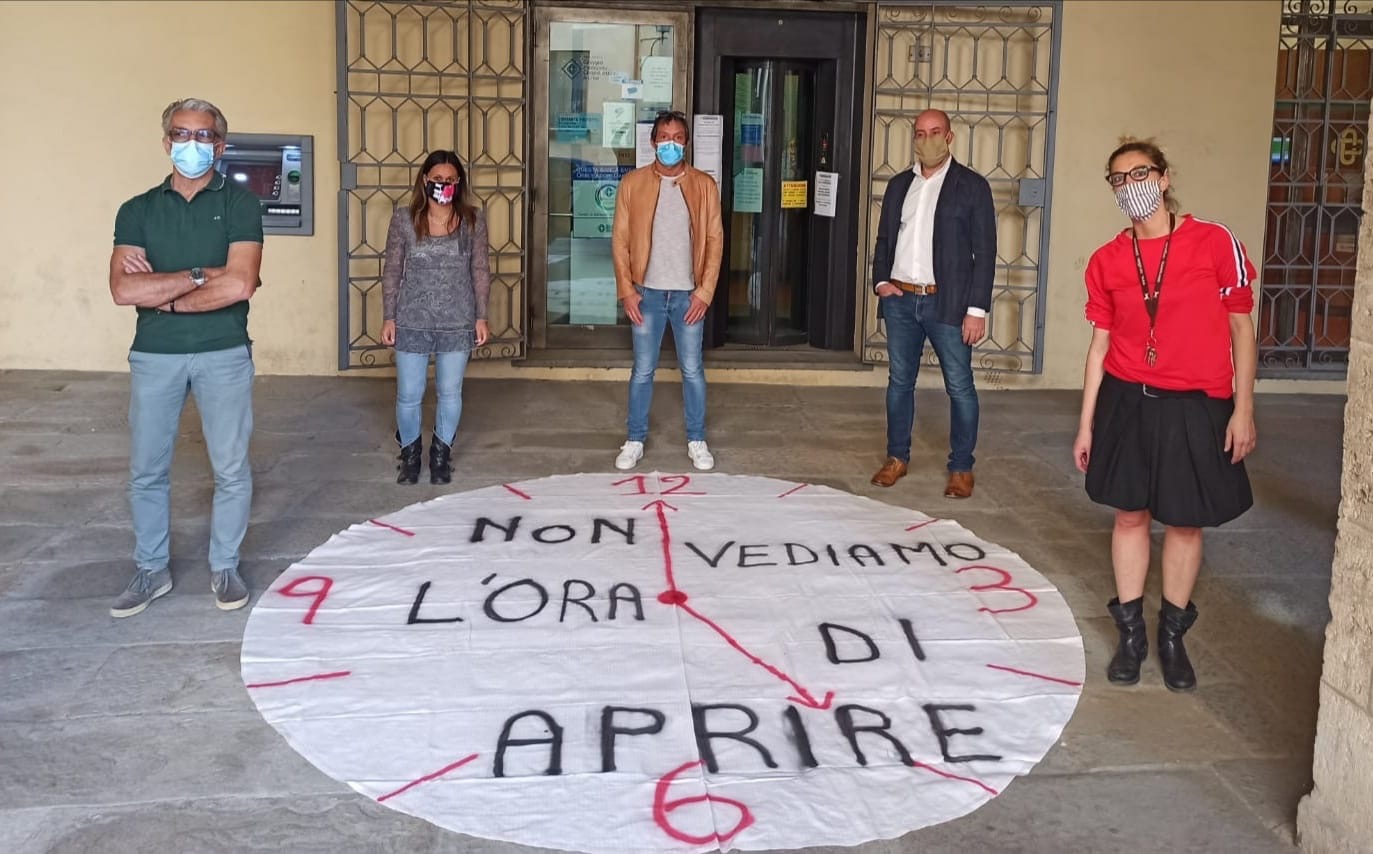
[1134, 641]
[1173, 623]
[411, 458]
[440, 461]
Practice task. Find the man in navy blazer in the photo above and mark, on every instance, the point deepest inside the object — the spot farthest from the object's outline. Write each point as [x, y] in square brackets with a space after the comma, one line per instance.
[932, 269]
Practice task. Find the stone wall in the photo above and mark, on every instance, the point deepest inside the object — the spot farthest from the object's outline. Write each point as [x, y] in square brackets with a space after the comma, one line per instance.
[1338, 814]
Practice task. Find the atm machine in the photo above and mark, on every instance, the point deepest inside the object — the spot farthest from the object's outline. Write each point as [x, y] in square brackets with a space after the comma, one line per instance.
[280, 170]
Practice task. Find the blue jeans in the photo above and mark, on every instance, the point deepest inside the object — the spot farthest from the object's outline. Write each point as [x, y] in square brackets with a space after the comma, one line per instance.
[910, 320]
[412, 375]
[660, 308]
[222, 382]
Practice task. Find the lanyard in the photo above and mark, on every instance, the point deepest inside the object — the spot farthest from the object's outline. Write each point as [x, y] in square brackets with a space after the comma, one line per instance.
[1151, 299]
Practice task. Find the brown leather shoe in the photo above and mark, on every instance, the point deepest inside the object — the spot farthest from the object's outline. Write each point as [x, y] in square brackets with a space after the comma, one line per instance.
[892, 471]
[960, 485]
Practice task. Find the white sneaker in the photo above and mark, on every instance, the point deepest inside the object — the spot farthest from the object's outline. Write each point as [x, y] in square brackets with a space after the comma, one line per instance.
[630, 454]
[700, 456]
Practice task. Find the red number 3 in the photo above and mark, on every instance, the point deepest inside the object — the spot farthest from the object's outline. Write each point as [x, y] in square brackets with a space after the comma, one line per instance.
[1004, 584]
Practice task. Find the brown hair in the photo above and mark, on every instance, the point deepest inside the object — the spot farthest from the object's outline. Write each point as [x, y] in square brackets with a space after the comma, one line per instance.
[1149, 149]
[667, 117]
[462, 200]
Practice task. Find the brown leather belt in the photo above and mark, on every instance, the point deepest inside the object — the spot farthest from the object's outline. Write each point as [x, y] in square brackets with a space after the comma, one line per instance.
[922, 290]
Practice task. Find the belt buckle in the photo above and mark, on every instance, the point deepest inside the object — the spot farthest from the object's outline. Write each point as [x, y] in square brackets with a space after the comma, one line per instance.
[1145, 388]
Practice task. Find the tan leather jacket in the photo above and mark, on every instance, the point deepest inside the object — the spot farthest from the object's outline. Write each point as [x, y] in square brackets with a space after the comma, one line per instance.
[632, 238]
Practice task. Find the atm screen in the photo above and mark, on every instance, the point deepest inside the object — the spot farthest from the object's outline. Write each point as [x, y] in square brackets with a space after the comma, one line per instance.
[261, 178]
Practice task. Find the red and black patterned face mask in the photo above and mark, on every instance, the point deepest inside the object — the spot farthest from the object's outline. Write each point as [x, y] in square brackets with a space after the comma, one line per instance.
[441, 192]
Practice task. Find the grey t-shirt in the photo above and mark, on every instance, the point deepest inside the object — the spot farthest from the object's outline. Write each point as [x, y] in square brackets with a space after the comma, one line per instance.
[669, 259]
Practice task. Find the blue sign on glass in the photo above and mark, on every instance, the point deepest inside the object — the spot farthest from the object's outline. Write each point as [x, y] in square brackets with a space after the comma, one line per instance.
[751, 129]
[584, 171]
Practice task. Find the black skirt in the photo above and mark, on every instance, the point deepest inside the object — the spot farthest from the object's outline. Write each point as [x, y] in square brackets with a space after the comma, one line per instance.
[1164, 451]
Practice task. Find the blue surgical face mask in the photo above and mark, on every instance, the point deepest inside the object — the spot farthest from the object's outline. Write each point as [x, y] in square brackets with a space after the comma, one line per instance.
[670, 153]
[193, 159]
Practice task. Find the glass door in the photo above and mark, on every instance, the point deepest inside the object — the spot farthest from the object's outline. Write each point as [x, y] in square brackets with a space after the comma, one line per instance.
[770, 107]
[606, 75]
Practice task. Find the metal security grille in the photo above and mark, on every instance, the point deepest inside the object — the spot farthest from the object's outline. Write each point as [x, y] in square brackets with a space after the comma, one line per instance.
[1315, 187]
[412, 78]
[993, 70]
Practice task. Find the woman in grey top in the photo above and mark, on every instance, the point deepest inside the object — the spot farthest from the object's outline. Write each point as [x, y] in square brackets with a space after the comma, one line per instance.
[434, 290]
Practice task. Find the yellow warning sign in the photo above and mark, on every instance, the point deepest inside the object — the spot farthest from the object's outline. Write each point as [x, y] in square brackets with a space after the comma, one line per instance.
[794, 194]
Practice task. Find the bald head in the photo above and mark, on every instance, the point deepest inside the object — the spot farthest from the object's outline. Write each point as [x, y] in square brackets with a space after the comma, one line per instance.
[932, 140]
[932, 122]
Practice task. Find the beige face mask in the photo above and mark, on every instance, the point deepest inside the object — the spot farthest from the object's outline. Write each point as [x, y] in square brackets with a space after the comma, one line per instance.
[931, 150]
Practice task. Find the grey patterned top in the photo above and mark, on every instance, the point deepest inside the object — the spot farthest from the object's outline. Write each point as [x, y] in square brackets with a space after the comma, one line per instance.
[435, 289]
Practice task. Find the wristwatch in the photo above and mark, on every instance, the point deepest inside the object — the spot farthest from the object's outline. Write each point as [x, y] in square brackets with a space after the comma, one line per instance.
[197, 277]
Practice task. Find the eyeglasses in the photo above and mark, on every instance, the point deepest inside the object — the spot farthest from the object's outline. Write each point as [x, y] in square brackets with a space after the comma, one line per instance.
[186, 135]
[671, 114]
[1139, 173]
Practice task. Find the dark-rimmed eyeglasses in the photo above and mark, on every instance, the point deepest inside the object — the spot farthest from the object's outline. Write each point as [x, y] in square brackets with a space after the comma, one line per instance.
[1139, 173]
[186, 135]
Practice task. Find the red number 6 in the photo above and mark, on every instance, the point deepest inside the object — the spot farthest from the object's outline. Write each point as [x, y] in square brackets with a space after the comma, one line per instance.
[662, 806]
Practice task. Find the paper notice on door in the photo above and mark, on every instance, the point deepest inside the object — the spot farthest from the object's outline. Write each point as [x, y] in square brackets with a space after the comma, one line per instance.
[656, 72]
[794, 193]
[617, 128]
[826, 189]
[707, 141]
[643, 144]
[748, 190]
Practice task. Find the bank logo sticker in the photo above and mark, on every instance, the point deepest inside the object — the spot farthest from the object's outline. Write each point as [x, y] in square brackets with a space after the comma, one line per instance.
[666, 662]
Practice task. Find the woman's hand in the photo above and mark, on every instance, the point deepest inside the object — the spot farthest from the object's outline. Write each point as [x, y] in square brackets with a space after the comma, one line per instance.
[483, 332]
[1240, 436]
[388, 333]
[1082, 449]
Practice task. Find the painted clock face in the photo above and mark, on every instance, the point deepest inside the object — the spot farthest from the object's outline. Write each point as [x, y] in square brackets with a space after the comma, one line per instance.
[666, 662]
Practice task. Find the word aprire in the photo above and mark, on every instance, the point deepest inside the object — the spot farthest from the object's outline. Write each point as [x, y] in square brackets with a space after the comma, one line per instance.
[525, 599]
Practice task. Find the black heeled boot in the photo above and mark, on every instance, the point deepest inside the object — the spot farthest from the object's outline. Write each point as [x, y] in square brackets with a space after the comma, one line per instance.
[411, 458]
[1134, 641]
[440, 461]
[1173, 623]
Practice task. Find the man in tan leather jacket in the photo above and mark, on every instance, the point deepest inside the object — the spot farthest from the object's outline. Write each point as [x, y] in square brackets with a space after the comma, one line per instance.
[667, 243]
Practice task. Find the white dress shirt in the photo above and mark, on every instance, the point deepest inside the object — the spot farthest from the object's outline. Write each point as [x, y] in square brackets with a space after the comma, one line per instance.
[914, 258]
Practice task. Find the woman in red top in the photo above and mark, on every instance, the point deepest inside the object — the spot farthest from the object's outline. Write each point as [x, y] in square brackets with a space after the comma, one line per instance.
[1167, 399]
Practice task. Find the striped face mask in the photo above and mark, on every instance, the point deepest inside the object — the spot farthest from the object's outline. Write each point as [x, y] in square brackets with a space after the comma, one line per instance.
[1139, 199]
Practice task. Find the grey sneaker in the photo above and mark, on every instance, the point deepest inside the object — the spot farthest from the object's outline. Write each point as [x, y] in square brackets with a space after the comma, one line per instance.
[230, 591]
[145, 586]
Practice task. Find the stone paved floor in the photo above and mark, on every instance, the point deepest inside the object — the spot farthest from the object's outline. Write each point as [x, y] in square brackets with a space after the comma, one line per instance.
[137, 735]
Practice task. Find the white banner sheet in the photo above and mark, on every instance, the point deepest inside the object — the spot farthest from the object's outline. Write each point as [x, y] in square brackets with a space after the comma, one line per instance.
[666, 662]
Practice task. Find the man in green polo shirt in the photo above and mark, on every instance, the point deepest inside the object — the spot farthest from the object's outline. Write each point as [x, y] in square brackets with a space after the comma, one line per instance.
[187, 255]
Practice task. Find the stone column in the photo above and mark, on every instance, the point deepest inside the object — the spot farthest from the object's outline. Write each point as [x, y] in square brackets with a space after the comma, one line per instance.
[1338, 814]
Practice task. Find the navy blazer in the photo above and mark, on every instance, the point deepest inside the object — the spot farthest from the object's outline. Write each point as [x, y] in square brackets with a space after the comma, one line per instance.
[964, 241]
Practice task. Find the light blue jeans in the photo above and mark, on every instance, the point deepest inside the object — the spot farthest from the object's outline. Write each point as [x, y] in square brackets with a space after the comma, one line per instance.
[661, 308]
[222, 382]
[412, 377]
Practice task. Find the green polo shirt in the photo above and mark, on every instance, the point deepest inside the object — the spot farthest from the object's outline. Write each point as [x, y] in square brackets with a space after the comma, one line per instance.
[178, 235]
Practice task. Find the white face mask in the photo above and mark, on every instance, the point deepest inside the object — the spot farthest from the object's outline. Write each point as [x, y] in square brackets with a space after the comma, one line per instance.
[1139, 199]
